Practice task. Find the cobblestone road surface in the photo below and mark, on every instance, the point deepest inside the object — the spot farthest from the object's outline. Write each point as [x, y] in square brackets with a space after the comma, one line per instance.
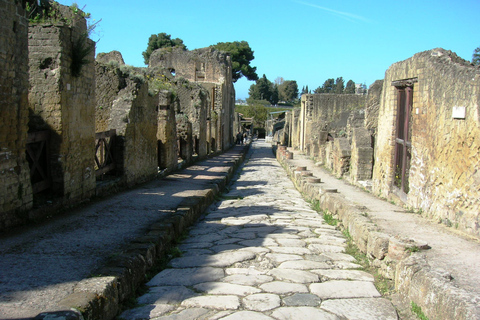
[262, 253]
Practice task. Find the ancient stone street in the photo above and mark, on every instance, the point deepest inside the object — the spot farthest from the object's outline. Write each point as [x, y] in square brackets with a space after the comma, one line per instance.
[261, 252]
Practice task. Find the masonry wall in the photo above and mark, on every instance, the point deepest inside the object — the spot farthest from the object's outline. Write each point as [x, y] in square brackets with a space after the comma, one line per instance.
[444, 181]
[64, 104]
[194, 104]
[124, 104]
[15, 186]
[167, 131]
[325, 114]
[211, 69]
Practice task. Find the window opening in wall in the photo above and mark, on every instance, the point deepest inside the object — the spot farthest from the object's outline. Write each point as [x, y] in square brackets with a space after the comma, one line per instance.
[403, 143]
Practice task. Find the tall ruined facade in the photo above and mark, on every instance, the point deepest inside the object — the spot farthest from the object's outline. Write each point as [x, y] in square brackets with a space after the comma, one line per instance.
[428, 147]
[15, 186]
[62, 100]
[211, 111]
[413, 139]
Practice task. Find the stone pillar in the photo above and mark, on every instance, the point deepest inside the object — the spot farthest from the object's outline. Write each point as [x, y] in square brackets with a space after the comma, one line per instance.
[167, 132]
[341, 156]
[361, 162]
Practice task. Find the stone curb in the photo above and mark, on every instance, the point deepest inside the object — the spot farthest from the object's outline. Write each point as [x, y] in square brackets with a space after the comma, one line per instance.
[100, 297]
[415, 280]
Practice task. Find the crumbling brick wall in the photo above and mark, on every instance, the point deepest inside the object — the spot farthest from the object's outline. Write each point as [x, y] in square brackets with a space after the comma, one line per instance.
[444, 180]
[15, 186]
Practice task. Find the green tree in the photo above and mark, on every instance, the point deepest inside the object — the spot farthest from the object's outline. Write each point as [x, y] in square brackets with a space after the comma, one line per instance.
[350, 87]
[288, 90]
[339, 85]
[161, 40]
[257, 111]
[263, 89]
[304, 90]
[476, 57]
[328, 86]
[241, 55]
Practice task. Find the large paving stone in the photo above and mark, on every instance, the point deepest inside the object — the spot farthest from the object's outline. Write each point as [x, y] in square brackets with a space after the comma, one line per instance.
[281, 287]
[340, 256]
[147, 312]
[289, 313]
[248, 280]
[290, 250]
[186, 277]
[346, 265]
[282, 257]
[311, 223]
[226, 247]
[337, 289]
[166, 295]
[204, 238]
[298, 276]
[326, 275]
[235, 222]
[228, 241]
[291, 242]
[361, 309]
[304, 265]
[283, 236]
[259, 242]
[225, 288]
[247, 315]
[224, 302]
[192, 313]
[223, 259]
[261, 229]
[323, 248]
[261, 301]
[245, 271]
[302, 300]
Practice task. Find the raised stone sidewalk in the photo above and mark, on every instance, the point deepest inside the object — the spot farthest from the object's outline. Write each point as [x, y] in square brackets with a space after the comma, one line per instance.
[94, 258]
[262, 253]
[433, 266]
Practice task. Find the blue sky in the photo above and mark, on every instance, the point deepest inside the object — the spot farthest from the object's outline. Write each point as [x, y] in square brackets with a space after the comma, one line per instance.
[307, 41]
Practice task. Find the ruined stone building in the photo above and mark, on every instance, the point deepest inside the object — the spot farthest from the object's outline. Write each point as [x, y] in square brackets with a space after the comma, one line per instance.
[212, 70]
[413, 139]
[62, 101]
[73, 127]
[427, 147]
[15, 186]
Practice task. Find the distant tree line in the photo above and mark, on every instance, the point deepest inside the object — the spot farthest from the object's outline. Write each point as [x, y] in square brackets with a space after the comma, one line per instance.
[273, 92]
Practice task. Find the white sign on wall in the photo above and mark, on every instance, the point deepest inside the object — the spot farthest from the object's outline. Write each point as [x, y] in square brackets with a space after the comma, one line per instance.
[458, 113]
